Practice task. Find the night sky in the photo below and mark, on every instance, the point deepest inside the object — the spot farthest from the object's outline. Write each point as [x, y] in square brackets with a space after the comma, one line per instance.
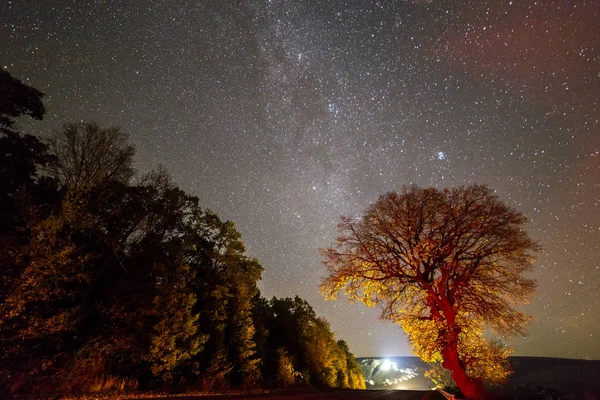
[281, 115]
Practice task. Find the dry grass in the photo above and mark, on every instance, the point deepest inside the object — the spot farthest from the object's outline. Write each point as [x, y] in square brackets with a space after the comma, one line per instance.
[113, 384]
[153, 395]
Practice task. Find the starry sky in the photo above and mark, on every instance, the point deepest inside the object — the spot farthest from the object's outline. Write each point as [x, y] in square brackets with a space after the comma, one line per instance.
[282, 115]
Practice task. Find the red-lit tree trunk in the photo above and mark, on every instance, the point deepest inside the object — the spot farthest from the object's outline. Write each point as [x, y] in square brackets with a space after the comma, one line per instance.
[471, 388]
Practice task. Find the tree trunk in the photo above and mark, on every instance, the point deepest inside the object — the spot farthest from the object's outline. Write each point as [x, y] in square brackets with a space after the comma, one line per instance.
[471, 388]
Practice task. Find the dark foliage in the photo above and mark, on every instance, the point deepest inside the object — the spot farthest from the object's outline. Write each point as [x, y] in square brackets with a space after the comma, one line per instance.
[24, 192]
[17, 99]
[110, 285]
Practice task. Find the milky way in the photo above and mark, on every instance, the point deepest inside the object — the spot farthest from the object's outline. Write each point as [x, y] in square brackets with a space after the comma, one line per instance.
[282, 115]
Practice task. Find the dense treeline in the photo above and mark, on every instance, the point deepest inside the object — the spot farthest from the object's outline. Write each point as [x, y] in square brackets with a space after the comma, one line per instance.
[113, 281]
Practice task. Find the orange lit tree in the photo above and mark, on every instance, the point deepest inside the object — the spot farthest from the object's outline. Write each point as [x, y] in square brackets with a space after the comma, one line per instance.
[446, 266]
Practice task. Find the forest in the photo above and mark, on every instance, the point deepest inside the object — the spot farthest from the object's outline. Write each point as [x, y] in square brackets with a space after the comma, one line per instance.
[115, 281]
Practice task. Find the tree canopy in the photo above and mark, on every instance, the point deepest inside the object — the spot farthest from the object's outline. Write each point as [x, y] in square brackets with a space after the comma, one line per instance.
[17, 99]
[86, 155]
[445, 265]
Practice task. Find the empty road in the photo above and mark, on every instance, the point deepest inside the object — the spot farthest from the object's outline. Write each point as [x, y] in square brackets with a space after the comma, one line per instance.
[327, 395]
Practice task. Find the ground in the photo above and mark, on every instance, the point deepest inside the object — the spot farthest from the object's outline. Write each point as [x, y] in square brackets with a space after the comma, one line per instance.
[328, 395]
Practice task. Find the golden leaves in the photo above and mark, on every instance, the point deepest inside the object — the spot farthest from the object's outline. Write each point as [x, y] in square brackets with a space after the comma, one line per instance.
[445, 265]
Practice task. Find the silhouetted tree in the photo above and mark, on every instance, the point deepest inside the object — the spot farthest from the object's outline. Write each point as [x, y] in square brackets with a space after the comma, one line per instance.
[87, 155]
[25, 194]
[17, 99]
[120, 285]
[444, 265]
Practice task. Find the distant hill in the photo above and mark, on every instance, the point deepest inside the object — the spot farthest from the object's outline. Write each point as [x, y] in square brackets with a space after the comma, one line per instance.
[533, 377]
[540, 377]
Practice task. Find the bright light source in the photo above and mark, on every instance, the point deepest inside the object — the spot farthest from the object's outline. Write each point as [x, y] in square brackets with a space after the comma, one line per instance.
[387, 364]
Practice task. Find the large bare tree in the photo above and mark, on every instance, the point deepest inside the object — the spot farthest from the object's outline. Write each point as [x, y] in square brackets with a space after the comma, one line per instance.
[446, 265]
[87, 155]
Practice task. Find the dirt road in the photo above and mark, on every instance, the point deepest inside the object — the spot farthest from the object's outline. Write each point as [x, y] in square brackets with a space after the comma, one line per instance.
[328, 395]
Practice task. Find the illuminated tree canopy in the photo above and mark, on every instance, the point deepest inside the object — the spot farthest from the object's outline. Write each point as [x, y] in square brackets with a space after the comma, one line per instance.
[445, 265]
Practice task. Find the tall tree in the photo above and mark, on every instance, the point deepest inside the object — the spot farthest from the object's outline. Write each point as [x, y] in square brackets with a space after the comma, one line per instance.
[445, 265]
[25, 194]
[87, 155]
[225, 285]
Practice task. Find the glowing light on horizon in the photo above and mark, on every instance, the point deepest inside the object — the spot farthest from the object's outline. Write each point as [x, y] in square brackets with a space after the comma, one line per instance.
[387, 365]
